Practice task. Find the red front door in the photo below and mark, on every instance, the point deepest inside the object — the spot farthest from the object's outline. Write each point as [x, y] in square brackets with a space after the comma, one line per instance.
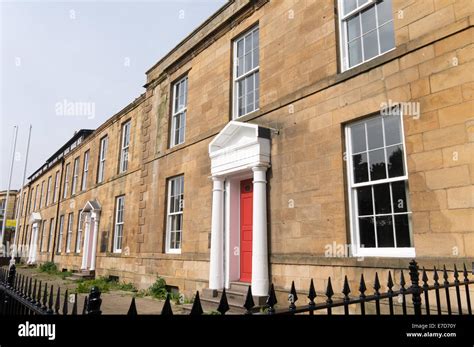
[246, 212]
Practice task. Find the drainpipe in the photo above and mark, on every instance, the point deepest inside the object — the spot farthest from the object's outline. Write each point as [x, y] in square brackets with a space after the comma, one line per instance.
[57, 209]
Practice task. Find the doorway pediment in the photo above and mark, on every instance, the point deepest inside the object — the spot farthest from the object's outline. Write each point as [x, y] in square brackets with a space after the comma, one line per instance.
[238, 147]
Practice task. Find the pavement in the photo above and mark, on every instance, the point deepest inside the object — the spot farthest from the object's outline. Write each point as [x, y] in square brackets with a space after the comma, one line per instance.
[113, 302]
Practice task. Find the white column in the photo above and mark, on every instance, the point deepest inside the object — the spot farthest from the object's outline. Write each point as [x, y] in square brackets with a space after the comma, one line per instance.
[259, 238]
[31, 249]
[85, 248]
[35, 244]
[216, 271]
[94, 240]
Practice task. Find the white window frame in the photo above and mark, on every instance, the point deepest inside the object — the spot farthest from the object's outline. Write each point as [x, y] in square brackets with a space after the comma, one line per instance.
[41, 196]
[51, 235]
[48, 191]
[60, 234]
[70, 220]
[342, 19]
[85, 171]
[125, 146]
[36, 197]
[43, 227]
[56, 188]
[118, 225]
[235, 79]
[402, 252]
[79, 233]
[75, 176]
[104, 144]
[176, 113]
[66, 181]
[170, 214]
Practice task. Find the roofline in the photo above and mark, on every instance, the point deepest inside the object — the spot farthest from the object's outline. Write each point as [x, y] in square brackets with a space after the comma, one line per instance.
[78, 134]
[192, 34]
[132, 105]
[11, 191]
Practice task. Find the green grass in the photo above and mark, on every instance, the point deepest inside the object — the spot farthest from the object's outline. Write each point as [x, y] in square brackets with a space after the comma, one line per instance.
[51, 269]
[105, 285]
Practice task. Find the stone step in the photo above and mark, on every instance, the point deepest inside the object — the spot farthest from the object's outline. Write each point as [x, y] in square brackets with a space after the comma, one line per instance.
[242, 287]
[80, 276]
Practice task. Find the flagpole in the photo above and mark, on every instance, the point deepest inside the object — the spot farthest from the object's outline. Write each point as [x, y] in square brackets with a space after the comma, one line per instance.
[15, 134]
[20, 203]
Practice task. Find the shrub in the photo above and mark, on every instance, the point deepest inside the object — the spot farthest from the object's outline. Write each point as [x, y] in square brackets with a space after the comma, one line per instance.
[85, 286]
[104, 284]
[49, 267]
[128, 287]
[158, 289]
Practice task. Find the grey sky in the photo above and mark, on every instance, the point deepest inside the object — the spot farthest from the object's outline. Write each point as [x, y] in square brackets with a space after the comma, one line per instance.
[89, 51]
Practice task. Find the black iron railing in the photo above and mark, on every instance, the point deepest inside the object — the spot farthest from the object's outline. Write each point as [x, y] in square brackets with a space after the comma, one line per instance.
[21, 295]
[410, 297]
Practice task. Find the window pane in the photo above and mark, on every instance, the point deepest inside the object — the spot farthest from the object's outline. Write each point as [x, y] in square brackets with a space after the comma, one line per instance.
[399, 197]
[355, 52]
[247, 62]
[382, 199]
[366, 232]
[375, 133]
[395, 161]
[358, 138]
[256, 54]
[387, 37]
[353, 28]
[248, 43]
[178, 222]
[392, 130]
[240, 66]
[377, 165]
[240, 48]
[250, 95]
[359, 162]
[182, 129]
[402, 231]
[384, 11]
[385, 231]
[368, 20]
[349, 5]
[371, 48]
[364, 201]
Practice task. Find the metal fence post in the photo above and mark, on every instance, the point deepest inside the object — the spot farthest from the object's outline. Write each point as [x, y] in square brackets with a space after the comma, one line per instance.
[11, 275]
[94, 302]
[415, 287]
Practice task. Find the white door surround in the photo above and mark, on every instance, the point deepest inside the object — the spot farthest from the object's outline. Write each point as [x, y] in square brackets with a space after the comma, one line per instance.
[91, 215]
[35, 220]
[240, 151]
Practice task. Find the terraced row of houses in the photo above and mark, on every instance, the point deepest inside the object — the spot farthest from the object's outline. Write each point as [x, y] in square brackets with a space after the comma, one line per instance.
[280, 141]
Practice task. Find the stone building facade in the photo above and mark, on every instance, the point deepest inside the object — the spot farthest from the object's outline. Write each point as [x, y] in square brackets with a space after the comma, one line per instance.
[280, 141]
[8, 212]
